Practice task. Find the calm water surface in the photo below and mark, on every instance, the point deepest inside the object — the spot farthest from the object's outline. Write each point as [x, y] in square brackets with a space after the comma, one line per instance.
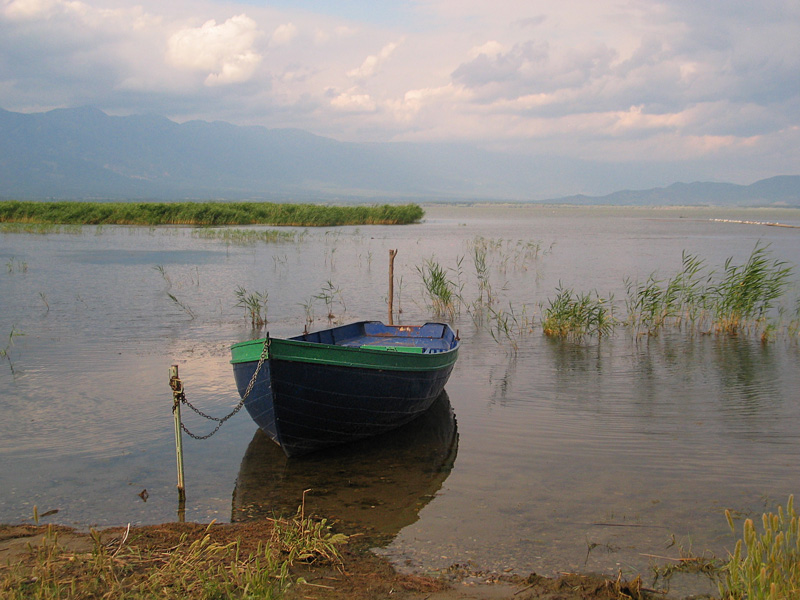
[554, 457]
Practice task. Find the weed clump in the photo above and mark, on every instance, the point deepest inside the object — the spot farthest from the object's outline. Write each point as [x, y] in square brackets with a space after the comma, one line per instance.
[571, 314]
[765, 566]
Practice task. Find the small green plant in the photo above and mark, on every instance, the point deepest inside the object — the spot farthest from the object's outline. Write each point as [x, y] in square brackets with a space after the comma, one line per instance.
[575, 315]
[181, 305]
[254, 304]
[163, 272]
[330, 294]
[6, 352]
[508, 325]
[15, 265]
[308, 308]
[439, 289]
[765, 566]
[306, 539]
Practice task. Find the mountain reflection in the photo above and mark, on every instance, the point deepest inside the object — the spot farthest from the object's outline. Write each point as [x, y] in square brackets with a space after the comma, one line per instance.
[377, 486]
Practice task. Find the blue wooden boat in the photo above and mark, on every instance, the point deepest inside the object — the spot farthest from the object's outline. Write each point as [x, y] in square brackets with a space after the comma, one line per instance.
[342, 384]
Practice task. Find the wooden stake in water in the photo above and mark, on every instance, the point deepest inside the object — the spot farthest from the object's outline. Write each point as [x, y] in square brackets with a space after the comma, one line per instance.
[177, 393]
[392, 254]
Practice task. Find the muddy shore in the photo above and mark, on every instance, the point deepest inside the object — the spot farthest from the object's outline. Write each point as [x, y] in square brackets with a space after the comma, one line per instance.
[361, 575]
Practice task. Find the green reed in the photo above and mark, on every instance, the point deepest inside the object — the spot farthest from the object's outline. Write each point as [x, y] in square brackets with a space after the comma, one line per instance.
[439, 289]
[747, 292]
[329, 294]
[509, 325]
[576, 315]
[254, 304]
[249, 237]
[655, 303]
[206, 213]
[14, 265]
[765, 566]
[39, 228]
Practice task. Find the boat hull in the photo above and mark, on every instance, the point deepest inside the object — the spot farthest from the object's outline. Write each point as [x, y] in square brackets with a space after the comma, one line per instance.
[310, 395]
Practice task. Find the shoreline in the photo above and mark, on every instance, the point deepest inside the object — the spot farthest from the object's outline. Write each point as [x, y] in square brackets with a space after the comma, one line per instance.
[359, 574]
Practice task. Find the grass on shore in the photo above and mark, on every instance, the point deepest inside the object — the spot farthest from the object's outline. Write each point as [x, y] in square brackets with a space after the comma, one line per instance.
[206, 213]
[207, 564]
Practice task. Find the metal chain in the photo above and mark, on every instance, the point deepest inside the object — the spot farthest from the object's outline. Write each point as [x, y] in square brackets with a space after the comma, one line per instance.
[180, 396]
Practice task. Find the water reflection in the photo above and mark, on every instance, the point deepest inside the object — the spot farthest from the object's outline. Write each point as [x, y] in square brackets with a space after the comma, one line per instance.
[377, 486]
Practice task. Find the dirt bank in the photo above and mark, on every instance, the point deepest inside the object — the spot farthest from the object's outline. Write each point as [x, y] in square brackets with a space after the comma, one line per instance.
[361, 575]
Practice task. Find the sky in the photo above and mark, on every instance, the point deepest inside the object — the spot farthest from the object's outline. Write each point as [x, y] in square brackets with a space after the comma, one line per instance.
[681, 89]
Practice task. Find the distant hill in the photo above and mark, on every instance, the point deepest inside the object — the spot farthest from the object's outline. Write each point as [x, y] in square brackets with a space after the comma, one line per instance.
[83, 153]
[776, 191]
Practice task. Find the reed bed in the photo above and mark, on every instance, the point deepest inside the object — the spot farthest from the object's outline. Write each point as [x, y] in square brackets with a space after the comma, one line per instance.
[766, 565]
[739, 299]
[206, 213]
[39, 228]
[249, 237]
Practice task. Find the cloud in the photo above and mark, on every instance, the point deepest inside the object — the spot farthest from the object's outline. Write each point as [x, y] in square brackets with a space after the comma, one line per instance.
[283, 35]
[581, 78]
[224, 51]
[370, 65]
[354, 101]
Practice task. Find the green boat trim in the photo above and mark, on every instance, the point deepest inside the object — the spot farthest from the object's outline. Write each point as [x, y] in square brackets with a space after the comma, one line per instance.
[392, 358]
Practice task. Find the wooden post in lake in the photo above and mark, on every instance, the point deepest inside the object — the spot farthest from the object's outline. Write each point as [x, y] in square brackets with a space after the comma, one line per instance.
[392, 254]
[177, 394]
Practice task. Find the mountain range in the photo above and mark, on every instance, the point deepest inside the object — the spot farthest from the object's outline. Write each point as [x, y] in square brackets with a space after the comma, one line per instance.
[84, 153]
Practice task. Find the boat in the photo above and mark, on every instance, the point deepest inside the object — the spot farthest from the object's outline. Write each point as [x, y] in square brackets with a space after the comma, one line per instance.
[342, 384]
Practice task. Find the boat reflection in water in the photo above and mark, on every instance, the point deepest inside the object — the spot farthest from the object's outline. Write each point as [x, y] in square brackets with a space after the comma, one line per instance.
[376, 486]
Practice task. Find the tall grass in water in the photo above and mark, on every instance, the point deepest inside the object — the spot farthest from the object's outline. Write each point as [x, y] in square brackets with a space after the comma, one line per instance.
[439, 289]
[655, 303]
[254, 304]
[748, 292]
[206, 213]
[575, 315]
[765, 566]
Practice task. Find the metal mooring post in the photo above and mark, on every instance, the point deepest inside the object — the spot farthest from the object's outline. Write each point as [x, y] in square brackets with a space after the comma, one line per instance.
[177, 394]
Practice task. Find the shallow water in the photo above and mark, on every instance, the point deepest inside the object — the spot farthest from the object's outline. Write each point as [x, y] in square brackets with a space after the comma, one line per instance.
[554, 457]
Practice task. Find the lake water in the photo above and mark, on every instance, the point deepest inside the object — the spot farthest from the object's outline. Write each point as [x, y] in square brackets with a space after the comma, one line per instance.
[554, 457]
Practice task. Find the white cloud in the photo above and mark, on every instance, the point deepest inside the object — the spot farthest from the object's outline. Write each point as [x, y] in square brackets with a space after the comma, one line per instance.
[224, 51]
[372, 62]
[354, 100]
[558, 77]
[283, 35]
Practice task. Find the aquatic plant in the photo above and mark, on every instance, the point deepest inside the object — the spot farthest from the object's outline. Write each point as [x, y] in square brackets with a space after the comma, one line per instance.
[329, 294]
[15, 265]
[254, 304]
[765, 566]
[508, 325]
[747, 292]
[439, 289]
[39, 228]
[249, 237]
[571, 314]
[653, 304]
[6, 352]
[207, 213]
[181, 305]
